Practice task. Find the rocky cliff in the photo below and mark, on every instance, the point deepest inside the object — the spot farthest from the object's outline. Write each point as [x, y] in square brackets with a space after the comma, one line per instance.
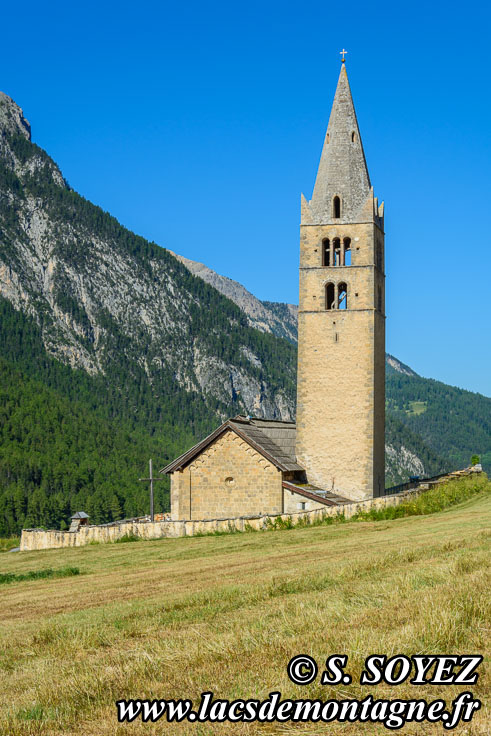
[273, 317]
[105, 297]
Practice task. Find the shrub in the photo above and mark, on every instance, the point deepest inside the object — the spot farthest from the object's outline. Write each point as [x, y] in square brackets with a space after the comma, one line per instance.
[127, 538]
[63, 572]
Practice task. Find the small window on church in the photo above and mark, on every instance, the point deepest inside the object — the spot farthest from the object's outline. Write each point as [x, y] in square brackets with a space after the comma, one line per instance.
[330, 304]
[326, 253]
[342, 296]
[379, 299]
[301, 506]
[347, 252]
[327, 138]
[336, 207]
[353, 137]
[229, 481]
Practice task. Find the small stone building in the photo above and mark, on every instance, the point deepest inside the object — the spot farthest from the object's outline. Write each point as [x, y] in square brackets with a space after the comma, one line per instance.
[246, 467]
[80, 518]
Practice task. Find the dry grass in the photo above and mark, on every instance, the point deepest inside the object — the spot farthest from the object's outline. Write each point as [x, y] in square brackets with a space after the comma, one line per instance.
[172, 618]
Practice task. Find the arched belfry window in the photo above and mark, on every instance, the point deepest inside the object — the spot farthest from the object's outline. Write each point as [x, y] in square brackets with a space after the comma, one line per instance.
[342, 296]
[336, 256]
[347, 252]
[330, 296]
[326, 252]
[336, 207]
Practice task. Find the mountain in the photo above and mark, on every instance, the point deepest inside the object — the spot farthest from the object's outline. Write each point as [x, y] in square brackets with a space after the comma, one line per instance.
[113, 304]
[113, 350]
[392, 365]
[272, 317]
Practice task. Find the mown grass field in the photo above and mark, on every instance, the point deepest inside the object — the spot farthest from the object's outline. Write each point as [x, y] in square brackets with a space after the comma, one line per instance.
[173, 618]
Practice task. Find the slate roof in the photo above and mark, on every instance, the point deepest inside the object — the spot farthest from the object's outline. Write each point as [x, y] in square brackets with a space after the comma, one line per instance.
[275, 440]
[80, 515]
[328, 498]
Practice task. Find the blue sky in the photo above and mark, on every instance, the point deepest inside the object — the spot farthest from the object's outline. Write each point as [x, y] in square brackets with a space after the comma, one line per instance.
[198, 125]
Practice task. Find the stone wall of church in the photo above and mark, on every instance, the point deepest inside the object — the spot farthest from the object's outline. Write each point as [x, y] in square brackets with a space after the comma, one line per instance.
[229, 478]
[294, 503]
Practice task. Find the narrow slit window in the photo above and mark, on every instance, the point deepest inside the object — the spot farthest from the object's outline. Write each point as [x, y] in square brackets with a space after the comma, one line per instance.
[379, 298]
[342, 296]
[379, 255]
[330, 302]
[326, 253]
[353, 137]
[336, 207]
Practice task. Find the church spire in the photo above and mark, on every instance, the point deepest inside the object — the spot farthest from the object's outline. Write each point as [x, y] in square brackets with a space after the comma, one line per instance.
[343, 183]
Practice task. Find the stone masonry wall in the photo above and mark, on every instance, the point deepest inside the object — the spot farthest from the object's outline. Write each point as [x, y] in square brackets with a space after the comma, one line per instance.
[340, 389]
[228, 479]
[38, 539]
[291, 501]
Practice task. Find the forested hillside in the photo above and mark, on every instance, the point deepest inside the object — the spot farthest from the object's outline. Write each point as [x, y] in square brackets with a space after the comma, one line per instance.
[454, 423]
[55, 455]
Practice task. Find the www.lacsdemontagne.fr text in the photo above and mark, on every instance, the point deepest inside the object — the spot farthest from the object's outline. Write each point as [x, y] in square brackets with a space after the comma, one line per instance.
[393, 714]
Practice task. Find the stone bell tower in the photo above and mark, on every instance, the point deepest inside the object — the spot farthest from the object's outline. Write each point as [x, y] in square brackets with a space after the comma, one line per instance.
[341, 321]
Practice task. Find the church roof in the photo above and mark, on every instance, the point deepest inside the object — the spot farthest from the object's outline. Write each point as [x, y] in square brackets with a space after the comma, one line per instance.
[342, 170]
[275, 440]
[314, 493]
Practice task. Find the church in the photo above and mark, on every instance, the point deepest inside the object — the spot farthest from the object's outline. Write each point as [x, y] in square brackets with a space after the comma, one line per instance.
[335, 451]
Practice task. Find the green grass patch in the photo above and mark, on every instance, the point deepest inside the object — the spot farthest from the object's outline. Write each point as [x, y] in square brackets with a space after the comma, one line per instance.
[8, 543]
[63, 572]
[127, 538]
[36, 713]
[417, 407]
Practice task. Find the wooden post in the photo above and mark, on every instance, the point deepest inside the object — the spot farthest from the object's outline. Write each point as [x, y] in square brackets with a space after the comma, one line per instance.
[151, 490]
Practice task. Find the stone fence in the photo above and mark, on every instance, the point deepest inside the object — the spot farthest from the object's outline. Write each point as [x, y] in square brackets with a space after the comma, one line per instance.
[36, 539]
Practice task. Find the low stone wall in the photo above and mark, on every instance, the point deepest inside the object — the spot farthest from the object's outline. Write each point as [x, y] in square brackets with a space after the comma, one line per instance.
[36, 539]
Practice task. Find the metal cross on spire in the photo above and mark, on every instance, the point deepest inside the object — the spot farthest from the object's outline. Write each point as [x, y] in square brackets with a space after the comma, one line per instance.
[343, 54]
